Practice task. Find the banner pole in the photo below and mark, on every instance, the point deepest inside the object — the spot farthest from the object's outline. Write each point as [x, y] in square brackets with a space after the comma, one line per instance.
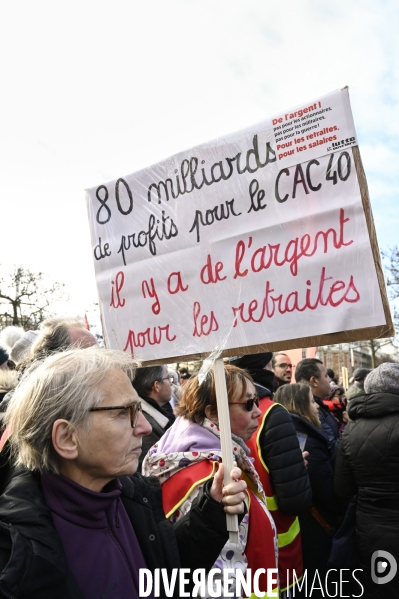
[225, 439]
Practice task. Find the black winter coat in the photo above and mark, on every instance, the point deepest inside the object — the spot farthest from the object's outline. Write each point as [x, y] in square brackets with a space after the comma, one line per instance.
[32, 560]
[316, 541]
[283, 458]
[368, 464]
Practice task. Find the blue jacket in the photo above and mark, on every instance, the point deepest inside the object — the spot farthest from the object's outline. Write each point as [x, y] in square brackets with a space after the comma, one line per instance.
[330, 427]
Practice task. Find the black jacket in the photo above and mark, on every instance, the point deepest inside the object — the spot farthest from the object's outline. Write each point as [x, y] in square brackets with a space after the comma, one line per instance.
[283, 458]
[32, 560]
[320, 469]
[368, 464]
[316, 541]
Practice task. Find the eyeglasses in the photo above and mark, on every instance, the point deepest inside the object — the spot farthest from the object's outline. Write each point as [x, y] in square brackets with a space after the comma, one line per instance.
[283, 365]
[134, 409]
[167, 378]
[249, 403]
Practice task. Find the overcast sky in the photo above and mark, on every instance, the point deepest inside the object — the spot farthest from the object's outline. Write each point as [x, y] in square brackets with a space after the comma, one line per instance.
[91, 91]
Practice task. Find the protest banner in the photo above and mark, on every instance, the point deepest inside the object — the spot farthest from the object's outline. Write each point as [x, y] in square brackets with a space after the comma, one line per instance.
[261, 240]
[237, 247]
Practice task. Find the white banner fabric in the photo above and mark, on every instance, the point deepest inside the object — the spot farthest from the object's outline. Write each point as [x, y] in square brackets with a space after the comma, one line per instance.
[225, 246]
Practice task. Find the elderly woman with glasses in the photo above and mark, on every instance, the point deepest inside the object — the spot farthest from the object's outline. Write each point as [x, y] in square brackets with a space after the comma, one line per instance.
[190, 452]
[75, 520]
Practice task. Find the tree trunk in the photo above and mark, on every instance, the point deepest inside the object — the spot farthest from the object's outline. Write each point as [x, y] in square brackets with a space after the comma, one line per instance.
[15, 319]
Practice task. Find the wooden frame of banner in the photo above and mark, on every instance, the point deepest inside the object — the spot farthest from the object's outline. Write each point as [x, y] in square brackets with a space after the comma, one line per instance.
[385, 330]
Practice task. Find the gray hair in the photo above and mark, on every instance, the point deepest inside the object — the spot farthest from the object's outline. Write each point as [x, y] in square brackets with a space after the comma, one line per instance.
[54, 336]
[64, 385]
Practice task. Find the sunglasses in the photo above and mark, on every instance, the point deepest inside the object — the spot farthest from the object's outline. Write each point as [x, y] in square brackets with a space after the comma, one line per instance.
[134, 409]
[249, 403]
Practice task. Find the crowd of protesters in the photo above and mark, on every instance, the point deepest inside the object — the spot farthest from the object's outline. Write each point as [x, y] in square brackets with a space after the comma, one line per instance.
[108, 467]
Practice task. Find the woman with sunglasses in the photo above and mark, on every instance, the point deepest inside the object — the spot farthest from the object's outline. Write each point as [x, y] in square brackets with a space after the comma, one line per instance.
[189, 453]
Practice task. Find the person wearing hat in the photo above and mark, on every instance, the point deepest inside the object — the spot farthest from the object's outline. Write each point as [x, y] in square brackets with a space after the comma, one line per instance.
[280, 465]
[9, 336]
[21, 347]
[258, 367]
[357, 388]
[367, 465]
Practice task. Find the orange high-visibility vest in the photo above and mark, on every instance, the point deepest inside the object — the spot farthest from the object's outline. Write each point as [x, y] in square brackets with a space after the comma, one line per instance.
[259, 550]
[289, 536]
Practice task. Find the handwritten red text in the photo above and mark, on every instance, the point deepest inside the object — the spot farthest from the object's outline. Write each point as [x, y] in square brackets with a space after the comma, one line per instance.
[116, 301]
[275, 254]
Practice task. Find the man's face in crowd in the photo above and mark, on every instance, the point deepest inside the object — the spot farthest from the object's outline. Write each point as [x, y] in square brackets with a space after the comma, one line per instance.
[321, 387]
[162, 389]
[283, 368]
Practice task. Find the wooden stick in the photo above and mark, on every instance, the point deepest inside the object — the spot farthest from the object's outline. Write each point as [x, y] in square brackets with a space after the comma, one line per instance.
[345, 382]
[225, 439]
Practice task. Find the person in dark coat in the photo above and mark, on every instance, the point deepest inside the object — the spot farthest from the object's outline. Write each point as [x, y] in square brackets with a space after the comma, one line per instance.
[154, 387]
[368, 465]
[319, 522]
[76, 522]
[313, 373]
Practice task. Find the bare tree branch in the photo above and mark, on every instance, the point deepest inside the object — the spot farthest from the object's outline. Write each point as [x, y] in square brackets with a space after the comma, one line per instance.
[25, 297]
[391, 264]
